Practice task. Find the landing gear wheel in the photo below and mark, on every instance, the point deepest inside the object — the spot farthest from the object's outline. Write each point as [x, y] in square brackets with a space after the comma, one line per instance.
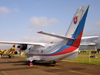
[34, 61]
[54, 62]
[9, 56]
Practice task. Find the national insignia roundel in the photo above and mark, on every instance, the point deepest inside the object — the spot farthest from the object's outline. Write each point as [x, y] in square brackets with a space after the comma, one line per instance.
[75, 19]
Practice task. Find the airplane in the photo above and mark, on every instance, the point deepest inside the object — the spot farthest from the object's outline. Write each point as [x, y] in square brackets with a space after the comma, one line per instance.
[65, 49]
[11, 52]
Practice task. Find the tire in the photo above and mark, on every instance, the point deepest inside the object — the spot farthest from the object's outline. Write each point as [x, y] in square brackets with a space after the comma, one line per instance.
[9, 56]
[54, 62]
[34, 61]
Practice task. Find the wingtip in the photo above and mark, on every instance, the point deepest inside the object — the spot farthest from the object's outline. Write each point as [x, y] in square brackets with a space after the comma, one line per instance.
[40, 32]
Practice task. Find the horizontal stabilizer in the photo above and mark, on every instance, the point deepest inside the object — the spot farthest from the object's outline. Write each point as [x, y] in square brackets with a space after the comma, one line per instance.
[88, 44]
[88, 37]
[58, 36]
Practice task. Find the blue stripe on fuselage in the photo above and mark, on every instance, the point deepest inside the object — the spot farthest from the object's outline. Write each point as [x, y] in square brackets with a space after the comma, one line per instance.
[61, 49]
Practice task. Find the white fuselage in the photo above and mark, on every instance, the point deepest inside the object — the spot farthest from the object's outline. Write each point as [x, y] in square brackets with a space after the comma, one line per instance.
[48, 53]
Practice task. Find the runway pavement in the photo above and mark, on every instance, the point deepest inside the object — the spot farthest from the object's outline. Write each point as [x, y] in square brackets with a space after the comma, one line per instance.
[18, 66]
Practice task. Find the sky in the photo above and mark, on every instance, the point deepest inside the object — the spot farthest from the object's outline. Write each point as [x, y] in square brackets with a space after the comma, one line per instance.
[20, 20]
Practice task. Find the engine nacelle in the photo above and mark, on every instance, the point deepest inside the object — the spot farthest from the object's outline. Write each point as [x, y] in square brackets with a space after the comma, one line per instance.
[22, 46]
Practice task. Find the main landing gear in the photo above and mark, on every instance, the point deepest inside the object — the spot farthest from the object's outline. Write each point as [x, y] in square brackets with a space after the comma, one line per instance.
[52, 62]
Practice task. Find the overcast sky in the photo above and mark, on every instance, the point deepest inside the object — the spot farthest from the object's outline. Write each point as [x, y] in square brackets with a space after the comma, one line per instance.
[21, 19]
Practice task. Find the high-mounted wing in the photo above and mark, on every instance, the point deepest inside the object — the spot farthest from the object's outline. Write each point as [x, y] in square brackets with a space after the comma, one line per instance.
[43, 44]
[28, 43]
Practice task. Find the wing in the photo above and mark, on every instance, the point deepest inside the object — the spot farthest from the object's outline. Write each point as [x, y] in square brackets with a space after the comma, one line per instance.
[28, 43]
[43, 44]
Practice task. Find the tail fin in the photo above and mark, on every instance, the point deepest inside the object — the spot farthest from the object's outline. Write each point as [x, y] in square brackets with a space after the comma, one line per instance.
[77, 25]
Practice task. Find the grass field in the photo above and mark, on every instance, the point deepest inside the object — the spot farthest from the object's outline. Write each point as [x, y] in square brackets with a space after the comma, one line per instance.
[85, 58]
[24, 56]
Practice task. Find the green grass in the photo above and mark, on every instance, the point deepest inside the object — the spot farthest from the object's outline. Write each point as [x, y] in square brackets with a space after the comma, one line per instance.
[24, 56]
[84, 58]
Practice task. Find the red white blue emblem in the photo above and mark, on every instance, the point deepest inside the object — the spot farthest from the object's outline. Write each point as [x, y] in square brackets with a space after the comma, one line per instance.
[75, 19]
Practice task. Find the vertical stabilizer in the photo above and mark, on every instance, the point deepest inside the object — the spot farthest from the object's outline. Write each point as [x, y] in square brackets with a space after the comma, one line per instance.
[77, 25]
